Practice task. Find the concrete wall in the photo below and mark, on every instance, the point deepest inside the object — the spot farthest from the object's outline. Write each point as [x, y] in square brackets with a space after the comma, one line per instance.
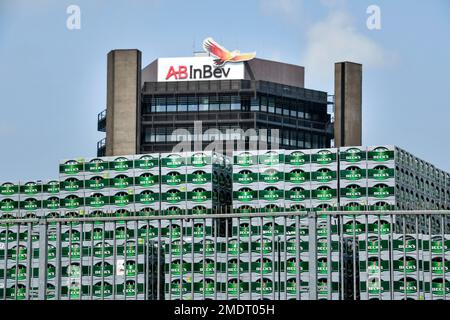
[123, 102]
[150, 72]
[273, 71]
[348, 104]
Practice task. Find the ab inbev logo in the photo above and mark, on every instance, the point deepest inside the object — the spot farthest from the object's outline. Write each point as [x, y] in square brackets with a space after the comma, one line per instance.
[220, 65]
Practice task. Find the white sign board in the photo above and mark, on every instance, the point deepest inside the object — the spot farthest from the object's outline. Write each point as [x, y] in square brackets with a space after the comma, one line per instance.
[197, 69]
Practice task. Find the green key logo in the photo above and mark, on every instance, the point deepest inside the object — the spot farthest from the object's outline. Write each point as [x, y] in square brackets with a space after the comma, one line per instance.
[148, 197]
[121, 164]
[271, 176]
[71, 167]
[199, 177]
[271, 194]
[381, 191]
[297, 158]
[8, 205]
[173, 161]
[324, 175]
[96, 165]
[245, 159]
[352, 155]
[52, 187]
[353, 192]
[381, 173]
[174, 178]
[147, 180]
[146, 162]
[297, 194]
[122, 181]
[96, 183]
[324, 157]
[270, 158]
[297, 176]
[324, 193]
[381, 154]
[245, 195]
[352, 174]
[30, 188]
[8, 189]
[200, 160]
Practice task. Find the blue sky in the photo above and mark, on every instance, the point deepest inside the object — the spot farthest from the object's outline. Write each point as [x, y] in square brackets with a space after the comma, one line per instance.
[53, 80]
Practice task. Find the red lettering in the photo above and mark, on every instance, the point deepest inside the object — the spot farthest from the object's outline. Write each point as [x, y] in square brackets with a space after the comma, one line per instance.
[180, 74]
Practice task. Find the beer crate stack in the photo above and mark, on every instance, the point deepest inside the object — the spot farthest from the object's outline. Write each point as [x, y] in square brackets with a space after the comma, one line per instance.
[18, 253]
[196, 183]
[381, 178]
[297, 180]
[353, 178]
[367, 183]
[100, 260]
[259, 179]
[258, 186]
[435, 256]
[194, 267]
[324, 197]
[324, 179]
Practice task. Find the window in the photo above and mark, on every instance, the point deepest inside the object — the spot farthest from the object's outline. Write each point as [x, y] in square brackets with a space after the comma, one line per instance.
[203, 104]
[307, 140]
[271, 105]
[225, 103]
[192, 104]
[214, 104]
[182, 104]
[149, 135]
[278, 110]
[171, 104]
[263, 104]
[160, 104]
[315, 142]
[254, 104]
[293, 140]
[160, 138]
[235, 103]
[286, 137]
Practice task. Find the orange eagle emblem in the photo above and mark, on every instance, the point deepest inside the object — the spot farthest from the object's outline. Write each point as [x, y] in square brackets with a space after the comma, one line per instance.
[223, 55]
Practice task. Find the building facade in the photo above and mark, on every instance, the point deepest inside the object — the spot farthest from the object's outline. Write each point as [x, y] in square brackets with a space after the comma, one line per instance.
[254, 100]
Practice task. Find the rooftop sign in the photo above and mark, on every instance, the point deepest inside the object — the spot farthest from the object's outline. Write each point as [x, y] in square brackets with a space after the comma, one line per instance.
[220, 65]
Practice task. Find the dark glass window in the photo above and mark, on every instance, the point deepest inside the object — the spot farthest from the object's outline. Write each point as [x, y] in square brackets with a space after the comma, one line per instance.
[225, 103]
[192, 104]
[214, 104]
[254, 104]
[264, 104]
[171, 104]
[161, 104]
[203, 103]
[271, 105]
[235, 103]
[307, 140]
[182, 104]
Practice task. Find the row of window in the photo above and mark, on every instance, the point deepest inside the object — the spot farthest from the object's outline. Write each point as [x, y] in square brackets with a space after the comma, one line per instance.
[298, 139]
[287, 107]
